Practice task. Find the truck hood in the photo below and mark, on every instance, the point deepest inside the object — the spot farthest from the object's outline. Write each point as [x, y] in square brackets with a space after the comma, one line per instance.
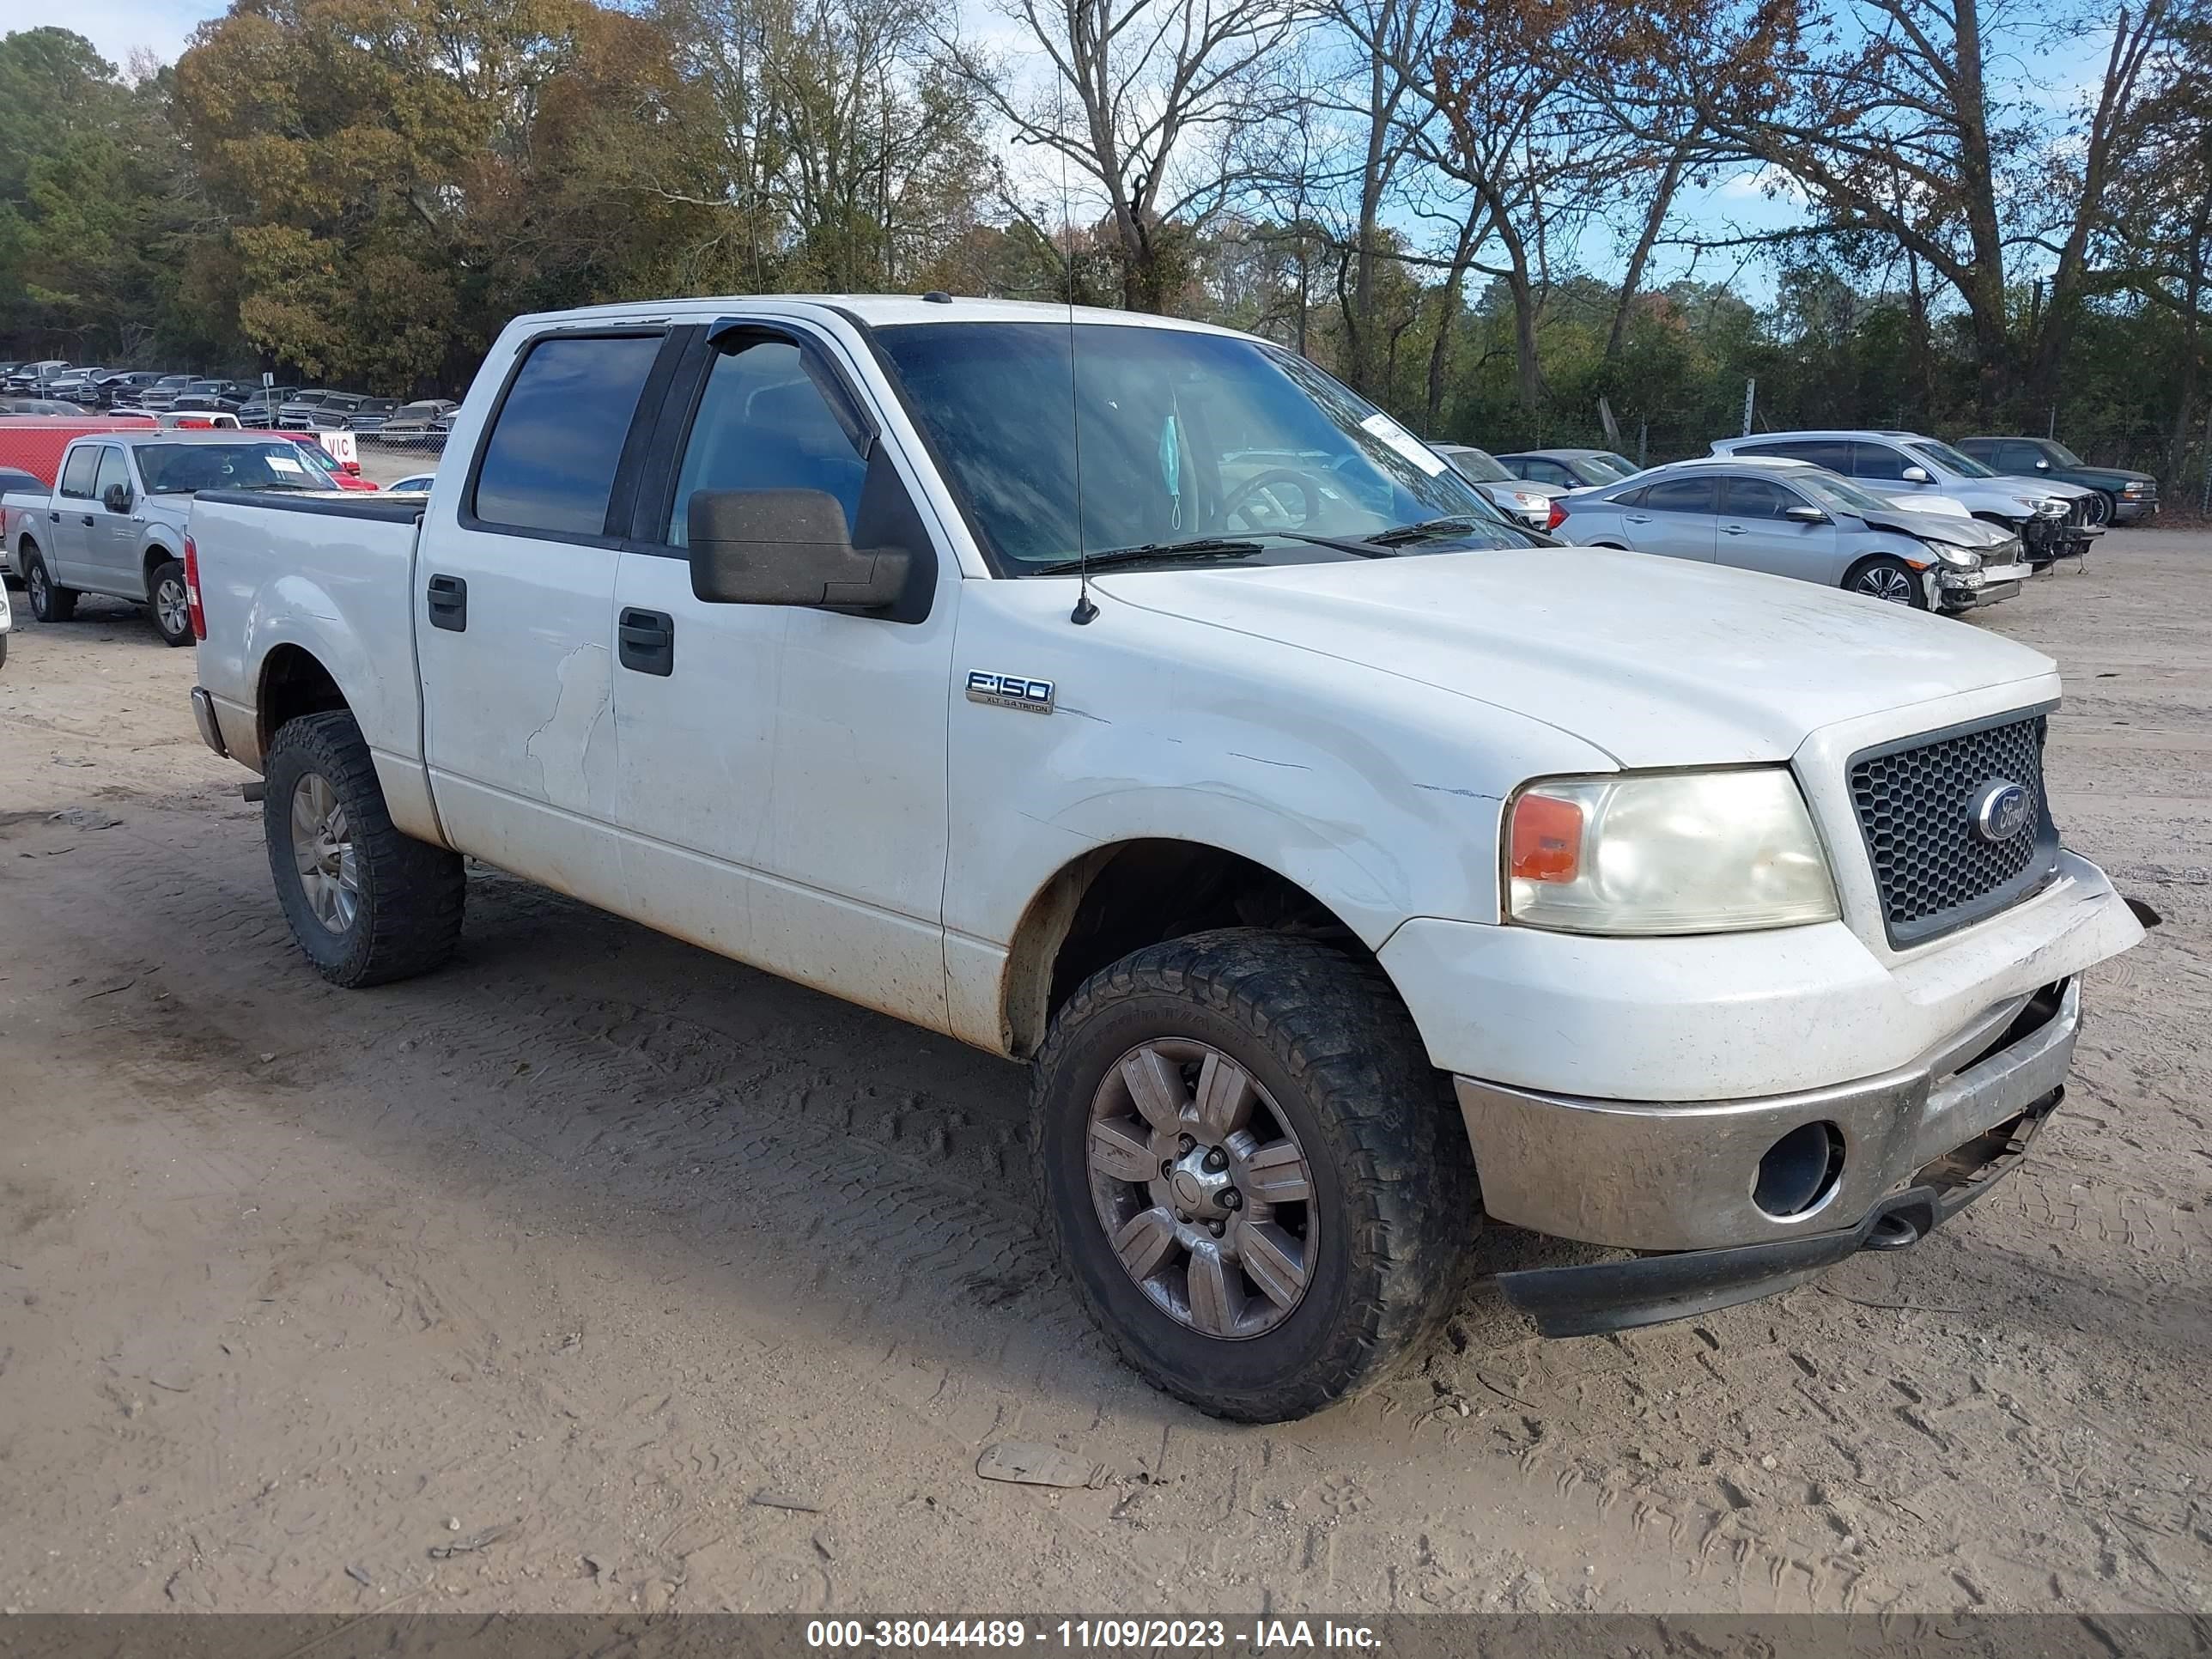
[1655, 661]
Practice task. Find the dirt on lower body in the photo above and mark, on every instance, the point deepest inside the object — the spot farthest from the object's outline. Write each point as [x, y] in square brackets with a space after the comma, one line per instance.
[597, 1273]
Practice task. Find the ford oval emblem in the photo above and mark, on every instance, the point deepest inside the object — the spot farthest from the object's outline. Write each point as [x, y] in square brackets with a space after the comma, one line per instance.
[2003, 811]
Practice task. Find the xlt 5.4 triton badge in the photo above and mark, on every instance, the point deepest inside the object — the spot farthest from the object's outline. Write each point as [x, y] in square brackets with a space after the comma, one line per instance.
[1010, 691]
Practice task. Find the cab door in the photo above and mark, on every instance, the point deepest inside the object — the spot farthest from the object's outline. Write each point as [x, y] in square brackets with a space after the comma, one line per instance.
[112, 539]
[780, 771]
[66, 536]
[515, 599]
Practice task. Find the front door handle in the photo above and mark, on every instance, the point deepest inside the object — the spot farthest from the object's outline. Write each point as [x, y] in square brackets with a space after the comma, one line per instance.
[646, 641]
[1732, 530]
[449, 604]
[87, 521]
[1638, 518]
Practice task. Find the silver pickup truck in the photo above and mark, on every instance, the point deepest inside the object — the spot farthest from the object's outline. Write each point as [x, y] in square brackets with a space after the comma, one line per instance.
[114, 522]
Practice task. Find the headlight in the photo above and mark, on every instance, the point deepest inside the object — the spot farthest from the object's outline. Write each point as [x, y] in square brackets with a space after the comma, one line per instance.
[1959, 558]
[2135, 489]
[1666, 852]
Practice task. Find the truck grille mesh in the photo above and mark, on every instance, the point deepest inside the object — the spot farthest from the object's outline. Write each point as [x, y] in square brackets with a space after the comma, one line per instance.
[1917, 805]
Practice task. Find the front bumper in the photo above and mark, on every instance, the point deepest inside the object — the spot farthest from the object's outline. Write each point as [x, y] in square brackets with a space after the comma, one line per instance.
[1971, 589]
[2138, 509]
[1618, 1296]
[1676, 1176]
[1908, 1149]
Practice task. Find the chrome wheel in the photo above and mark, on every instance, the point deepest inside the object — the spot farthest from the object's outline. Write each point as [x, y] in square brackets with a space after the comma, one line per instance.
[322, 851]
[1202, 1187]
[171, 609]
[1885, 582]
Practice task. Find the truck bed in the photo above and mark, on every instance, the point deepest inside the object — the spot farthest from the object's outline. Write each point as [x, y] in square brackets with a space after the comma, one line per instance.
[323, 575]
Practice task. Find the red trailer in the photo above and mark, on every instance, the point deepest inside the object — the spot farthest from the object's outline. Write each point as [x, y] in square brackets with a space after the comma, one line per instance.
[35, 442]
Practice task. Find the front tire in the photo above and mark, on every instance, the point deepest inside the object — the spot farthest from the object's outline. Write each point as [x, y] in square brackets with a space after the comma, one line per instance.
[367, 903]
[1257, 1182]
[2099, 509]
[49, 603]
[1888, 578]
[167, 603]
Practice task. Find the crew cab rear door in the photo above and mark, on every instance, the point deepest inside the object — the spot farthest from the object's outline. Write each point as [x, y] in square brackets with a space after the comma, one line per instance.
[781, 769]
[514, 612]
[66, 536]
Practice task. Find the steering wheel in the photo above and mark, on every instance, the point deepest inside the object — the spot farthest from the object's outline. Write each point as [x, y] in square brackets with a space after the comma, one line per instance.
[1305, 483]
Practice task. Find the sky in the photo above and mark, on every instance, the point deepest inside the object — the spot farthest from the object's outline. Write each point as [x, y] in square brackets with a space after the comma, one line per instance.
[116, 27]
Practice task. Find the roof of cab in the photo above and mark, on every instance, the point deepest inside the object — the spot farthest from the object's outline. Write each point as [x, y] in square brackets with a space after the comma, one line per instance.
[136, 436]
[870, 310]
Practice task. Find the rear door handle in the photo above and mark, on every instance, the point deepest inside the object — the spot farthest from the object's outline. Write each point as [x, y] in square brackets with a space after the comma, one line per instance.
[1732, 530]
[646, 641]
[449, 604]
[1638, 518]
[87, 521]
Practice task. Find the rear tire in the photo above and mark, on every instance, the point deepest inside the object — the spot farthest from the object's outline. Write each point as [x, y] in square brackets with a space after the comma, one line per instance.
[1340, 1104]
[367, 903]
[166, 604]
[49, 603]
[1888, 578]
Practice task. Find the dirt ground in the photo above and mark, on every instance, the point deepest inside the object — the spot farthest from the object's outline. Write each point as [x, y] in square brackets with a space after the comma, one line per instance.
[708, 1291]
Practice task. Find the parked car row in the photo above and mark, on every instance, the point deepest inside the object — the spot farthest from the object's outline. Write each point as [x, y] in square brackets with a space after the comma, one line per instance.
[59, 387]
[1891, 514]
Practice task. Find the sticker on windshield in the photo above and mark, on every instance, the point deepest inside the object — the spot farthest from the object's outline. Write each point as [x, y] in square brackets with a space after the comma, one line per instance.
[1404, 442]
[286, 463]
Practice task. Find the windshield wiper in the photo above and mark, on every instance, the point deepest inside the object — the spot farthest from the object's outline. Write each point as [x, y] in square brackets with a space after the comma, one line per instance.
[1428, 530]
[1198, 547]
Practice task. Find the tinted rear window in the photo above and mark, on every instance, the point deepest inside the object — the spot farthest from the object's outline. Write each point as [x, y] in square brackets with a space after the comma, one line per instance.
[549, 463]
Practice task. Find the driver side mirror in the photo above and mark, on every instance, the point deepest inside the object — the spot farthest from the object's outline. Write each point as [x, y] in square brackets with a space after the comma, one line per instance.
[784, 547]
[1916, 474]
[1803, 514]
[118, 498]
[2043, 466]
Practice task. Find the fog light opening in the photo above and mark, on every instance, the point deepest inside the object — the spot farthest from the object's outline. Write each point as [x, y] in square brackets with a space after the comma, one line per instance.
[1800, 1170]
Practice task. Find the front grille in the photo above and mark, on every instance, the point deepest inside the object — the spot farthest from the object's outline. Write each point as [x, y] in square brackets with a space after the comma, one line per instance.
[1917, 802]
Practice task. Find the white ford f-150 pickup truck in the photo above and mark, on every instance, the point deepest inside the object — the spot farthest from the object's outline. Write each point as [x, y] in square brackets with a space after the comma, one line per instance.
[1125, 697]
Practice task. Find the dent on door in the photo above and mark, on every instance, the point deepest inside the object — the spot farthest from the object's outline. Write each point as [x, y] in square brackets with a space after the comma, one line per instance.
[573, 751]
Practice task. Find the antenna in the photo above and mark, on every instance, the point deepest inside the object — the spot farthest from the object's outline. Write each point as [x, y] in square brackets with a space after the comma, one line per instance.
[1085, 612]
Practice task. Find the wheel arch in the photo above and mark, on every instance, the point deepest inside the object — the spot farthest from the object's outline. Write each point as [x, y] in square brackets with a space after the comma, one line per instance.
[153, 555]
[1124, 895]
[293, 681]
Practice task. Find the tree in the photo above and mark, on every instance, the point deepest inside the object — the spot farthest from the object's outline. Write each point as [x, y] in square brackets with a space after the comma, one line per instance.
[1143, 99]
[1895, 129]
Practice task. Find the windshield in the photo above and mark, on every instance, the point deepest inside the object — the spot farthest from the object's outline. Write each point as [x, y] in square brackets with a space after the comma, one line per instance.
[1833, 490]
[1964, 467]
[180, 468]
[1606, 466]
[1184, 436]
[1480, 465]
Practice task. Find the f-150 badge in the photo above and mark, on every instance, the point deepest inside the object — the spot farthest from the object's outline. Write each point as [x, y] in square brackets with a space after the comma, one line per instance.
[1010, 691]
